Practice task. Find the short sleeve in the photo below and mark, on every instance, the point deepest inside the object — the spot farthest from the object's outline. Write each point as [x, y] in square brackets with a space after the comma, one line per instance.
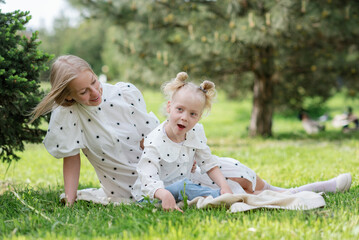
[149, 172]
[205, 160]
[64, 137]
[145, 122]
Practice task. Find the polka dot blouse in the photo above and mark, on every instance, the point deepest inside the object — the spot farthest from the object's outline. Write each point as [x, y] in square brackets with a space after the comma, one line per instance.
[164, 162]
[108, 134]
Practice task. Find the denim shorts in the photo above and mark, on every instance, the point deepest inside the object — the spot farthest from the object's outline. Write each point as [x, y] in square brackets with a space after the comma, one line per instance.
[192, 190]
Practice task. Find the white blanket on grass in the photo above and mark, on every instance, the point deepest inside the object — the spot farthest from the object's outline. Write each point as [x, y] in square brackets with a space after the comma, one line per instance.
[234, 202]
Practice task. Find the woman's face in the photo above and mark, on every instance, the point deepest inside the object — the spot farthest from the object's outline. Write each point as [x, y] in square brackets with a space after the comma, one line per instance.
[85, 89]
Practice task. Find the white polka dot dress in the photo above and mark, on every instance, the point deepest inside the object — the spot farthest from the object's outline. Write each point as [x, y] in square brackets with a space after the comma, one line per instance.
[164, 162]
[109, 135]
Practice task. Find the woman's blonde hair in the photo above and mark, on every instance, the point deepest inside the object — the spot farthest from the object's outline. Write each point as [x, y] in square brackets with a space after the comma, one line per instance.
[206, 88]
[64, 69]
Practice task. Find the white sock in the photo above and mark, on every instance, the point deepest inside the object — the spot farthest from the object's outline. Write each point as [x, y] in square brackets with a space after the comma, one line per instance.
[267, 186]
[325, 186]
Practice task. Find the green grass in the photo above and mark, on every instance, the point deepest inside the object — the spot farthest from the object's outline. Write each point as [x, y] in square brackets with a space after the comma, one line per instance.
[30, 188]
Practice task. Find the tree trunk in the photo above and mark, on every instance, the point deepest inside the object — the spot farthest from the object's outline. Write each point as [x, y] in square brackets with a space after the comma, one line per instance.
[262, 110]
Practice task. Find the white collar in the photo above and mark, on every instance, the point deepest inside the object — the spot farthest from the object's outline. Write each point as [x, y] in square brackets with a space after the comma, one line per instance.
[169, 150]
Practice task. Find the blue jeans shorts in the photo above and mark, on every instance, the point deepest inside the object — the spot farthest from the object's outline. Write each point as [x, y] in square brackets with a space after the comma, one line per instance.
[192, 190]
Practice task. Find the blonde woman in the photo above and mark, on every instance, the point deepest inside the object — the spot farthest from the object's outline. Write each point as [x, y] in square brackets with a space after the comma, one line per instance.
[107, 122]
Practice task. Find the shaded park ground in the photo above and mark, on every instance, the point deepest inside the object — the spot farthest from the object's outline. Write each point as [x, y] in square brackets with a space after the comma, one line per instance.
[30, 188]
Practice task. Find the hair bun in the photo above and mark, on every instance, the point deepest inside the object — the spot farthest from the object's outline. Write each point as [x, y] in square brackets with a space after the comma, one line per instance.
[207, 85]
[182, 76]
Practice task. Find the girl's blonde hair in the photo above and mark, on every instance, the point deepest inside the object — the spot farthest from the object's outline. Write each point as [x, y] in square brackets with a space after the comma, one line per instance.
[206, 88]
[64, 69]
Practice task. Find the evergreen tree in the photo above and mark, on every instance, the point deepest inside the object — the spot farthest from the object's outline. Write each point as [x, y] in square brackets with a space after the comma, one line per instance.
[282, 51]
[20, 64]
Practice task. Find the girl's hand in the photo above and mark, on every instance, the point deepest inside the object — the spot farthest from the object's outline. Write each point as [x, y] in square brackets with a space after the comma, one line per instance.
[216, 175]
[226, 189]
[168, 201]
[170, 204]
[194, 166]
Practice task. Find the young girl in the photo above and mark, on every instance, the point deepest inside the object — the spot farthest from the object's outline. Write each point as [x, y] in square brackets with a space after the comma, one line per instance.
[171, 148]
[108, 123]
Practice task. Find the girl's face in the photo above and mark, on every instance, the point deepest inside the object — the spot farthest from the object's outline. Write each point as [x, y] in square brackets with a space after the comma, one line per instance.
[185, 110]
[86, 89]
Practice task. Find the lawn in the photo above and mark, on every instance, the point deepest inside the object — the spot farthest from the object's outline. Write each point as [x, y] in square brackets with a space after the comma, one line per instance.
[30, 188]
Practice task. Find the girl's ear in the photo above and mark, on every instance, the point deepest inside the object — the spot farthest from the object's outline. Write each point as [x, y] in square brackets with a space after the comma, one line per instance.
[69, 98]
[168, 108]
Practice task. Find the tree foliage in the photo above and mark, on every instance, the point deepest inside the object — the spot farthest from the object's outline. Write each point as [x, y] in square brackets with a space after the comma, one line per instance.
[20, 65]
[281, 51]
[85, 39]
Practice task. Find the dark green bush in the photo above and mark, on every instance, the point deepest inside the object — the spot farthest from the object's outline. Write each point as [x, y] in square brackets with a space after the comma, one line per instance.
[20, 66]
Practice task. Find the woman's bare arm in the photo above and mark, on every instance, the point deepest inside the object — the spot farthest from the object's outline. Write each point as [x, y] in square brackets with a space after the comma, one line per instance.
[71, 172]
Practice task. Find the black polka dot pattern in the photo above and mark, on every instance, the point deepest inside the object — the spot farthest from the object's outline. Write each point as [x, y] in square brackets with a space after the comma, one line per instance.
[89, 121]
